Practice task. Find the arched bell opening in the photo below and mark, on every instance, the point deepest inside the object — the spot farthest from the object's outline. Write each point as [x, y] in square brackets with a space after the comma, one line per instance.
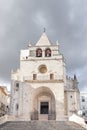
[48, 52]
[39, 52]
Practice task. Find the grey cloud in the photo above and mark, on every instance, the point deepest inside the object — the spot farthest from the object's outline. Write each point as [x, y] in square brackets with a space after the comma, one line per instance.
[22, 21]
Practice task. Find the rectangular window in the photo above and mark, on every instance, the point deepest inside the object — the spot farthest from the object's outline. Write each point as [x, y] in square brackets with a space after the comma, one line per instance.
[51, 76]
[83, 100]
[17, 107]
[34, 76]
[17, 86]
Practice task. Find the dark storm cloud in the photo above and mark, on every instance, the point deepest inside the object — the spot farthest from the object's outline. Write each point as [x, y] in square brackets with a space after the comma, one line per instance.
[22, 21]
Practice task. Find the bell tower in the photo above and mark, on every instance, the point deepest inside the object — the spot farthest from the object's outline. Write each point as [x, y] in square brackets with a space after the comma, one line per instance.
[43, 66]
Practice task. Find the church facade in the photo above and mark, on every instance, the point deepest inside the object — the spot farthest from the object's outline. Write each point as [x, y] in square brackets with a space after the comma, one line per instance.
[40, 89]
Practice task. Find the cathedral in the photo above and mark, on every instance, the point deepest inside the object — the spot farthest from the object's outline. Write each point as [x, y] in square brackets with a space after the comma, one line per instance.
[40, 88]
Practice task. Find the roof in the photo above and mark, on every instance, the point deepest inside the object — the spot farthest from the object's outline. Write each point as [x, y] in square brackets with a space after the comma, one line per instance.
[43, 41]
[3, 90]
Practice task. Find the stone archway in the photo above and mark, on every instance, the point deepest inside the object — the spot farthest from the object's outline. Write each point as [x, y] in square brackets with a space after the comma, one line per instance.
[43, 104]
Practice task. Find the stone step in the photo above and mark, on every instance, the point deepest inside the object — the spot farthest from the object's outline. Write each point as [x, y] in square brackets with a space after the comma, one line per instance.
[40, 125]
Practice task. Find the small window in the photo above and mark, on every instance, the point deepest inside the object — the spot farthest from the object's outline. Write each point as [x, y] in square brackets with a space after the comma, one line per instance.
[17, 86]
[83, 100]
[83, 114]
[51, 76]
[26, 57]
[39, 52]
[47, 52]
[16, 107]
[71, 96]
[34, 76]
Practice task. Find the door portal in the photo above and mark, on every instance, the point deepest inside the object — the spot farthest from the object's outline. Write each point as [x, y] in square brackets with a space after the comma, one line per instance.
[44, 108]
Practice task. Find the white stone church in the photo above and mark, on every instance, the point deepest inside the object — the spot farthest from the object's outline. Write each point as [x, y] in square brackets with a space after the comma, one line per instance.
[40, 89]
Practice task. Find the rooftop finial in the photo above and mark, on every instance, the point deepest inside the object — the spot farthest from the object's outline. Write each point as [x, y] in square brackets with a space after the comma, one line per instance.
[44, 29]
[75, 78]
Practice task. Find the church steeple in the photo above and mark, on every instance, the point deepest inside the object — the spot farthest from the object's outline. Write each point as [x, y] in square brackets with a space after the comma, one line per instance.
[43, 41]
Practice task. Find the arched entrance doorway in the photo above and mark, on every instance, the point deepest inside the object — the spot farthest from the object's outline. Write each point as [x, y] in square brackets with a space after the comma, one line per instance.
[43, 104]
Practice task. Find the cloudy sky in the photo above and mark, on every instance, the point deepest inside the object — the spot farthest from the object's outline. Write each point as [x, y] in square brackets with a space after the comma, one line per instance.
[22, 21]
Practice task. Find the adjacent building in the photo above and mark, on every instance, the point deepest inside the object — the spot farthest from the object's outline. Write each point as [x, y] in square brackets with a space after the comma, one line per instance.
[83, 103]
[3, 101]
[40, 88]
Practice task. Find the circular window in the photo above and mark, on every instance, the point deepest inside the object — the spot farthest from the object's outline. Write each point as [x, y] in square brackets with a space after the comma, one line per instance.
[43, 69]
